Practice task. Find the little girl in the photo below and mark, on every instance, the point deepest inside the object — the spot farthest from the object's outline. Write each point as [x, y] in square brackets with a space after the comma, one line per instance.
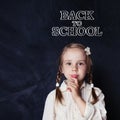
[76, 98]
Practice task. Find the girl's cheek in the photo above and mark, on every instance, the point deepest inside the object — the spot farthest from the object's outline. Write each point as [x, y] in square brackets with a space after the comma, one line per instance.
[83, 69]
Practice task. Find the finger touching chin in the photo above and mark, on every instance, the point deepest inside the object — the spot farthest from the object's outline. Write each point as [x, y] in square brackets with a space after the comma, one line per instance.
[69, 89]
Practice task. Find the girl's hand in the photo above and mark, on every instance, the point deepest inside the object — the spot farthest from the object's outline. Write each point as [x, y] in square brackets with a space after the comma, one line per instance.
[74, 87]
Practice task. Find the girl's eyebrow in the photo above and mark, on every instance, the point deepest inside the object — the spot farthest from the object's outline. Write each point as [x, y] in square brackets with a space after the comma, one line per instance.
[78, 60]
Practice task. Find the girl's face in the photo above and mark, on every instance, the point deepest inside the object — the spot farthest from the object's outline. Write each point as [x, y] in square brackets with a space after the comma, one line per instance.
[74, 64]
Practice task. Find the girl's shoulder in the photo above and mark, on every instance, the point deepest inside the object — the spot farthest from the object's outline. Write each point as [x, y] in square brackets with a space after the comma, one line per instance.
[97, 89]
[51, 95]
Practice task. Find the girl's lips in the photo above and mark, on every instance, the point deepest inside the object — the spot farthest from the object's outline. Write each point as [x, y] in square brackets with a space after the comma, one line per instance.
[74, 76]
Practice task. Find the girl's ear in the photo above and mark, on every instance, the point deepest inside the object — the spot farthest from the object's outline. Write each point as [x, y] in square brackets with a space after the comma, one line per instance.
[60, 69]
[87, 71]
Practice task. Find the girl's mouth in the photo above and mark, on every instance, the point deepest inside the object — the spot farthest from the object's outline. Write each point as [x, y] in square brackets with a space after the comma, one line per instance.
[74, 76]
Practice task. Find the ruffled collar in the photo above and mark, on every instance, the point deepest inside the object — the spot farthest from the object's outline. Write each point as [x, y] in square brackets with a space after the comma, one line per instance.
[63, 86]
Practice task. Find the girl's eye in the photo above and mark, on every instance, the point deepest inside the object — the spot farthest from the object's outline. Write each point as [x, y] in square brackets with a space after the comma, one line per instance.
[68, 63]
[80, 64]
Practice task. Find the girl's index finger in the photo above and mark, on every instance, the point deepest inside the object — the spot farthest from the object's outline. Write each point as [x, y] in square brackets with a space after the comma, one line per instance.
[75, 80]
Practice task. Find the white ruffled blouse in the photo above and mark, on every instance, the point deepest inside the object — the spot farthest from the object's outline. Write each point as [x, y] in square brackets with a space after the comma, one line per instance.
[69, 109]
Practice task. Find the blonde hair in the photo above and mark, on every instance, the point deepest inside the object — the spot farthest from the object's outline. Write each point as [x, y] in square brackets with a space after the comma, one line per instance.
[59, 96]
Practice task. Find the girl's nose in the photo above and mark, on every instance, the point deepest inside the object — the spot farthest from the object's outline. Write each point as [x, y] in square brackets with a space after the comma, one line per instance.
[74, 68]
